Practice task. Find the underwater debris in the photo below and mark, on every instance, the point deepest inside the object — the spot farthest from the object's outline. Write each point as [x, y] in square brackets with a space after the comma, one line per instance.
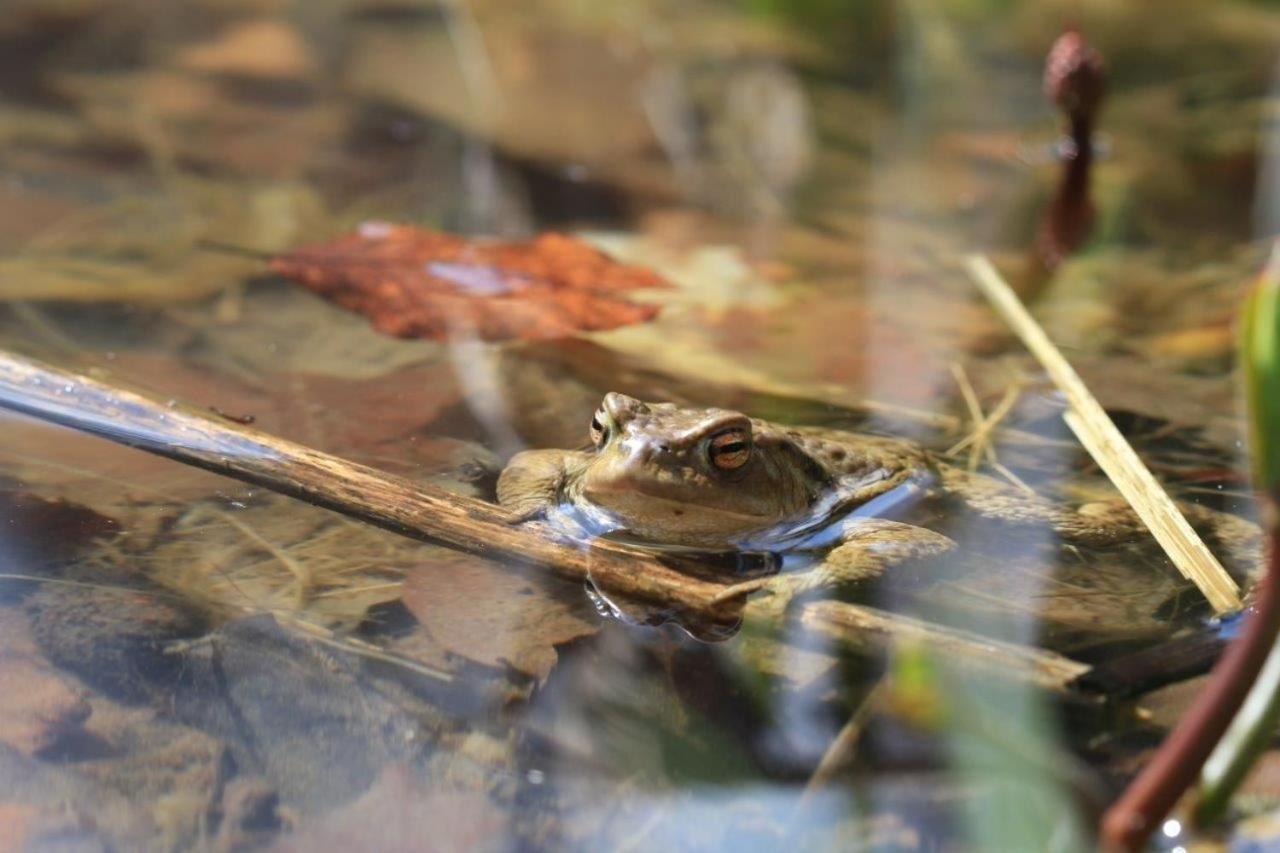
[38, 529]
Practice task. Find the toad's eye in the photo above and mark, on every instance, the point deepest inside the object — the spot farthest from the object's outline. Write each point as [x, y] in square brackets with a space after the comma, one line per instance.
[599, 431]
[730, 449]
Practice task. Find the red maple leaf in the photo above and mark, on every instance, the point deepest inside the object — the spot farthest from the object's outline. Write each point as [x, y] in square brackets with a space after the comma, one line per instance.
[415, 283]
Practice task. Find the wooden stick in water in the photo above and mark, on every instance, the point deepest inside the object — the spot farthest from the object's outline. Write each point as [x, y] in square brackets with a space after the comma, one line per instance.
[1110, 450]
[430, 513]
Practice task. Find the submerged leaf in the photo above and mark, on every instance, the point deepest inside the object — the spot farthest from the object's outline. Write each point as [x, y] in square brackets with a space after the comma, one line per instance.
[493, 618]
[412, 282]
[33, 528]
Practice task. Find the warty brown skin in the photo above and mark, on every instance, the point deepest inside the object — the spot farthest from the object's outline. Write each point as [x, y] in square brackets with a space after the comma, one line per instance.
[717, 479]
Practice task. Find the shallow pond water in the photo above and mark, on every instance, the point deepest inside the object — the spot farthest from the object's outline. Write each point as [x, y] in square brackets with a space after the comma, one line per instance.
[192, 662]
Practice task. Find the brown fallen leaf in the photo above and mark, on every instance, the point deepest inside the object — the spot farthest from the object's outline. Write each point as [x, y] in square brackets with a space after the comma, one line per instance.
[415, 283]
[483, 614]
[33, 528]
[38, 706]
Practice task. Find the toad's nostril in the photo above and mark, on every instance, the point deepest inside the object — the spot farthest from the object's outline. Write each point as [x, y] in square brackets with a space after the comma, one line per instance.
[622, 408]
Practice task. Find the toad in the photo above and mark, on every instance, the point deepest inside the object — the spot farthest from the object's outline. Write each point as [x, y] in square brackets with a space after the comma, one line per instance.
[718, 480]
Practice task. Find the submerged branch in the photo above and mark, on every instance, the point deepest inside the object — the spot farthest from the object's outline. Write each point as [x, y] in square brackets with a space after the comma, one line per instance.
[429, 513]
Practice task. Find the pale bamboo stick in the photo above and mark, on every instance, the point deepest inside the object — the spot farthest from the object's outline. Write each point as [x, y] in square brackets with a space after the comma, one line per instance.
[1100, 436]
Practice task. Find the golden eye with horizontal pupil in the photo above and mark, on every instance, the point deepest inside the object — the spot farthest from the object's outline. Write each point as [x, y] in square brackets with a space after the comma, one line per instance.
[730, 449]
[599, 431]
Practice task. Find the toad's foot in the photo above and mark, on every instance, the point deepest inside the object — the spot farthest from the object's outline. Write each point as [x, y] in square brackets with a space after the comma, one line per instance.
[869, 547]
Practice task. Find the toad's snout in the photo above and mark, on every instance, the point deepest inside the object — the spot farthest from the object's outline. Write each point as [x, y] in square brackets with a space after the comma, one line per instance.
[645, 452]
[622, 408]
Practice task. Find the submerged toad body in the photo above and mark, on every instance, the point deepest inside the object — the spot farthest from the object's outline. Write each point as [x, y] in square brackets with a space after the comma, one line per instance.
[716, 479]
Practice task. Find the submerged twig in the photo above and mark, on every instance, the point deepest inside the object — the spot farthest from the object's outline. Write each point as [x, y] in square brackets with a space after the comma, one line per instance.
[868, 627]
[1109, 449]
[844, 746]
[426, 512]
[324, 637]
[302, 577]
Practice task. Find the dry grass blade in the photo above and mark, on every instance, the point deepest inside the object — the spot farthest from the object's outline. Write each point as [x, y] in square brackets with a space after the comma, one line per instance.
[979, 438]
[1108, 447]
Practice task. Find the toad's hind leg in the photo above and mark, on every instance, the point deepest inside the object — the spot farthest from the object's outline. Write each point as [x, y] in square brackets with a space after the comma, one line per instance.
[994, 499]
[1102, 523]
[869, 546]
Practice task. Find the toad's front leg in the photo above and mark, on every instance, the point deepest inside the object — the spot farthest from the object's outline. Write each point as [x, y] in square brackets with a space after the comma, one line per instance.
[868, 547]
[531, 483]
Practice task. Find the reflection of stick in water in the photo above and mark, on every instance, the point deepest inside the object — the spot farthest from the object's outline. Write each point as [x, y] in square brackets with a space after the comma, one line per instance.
[428, 512]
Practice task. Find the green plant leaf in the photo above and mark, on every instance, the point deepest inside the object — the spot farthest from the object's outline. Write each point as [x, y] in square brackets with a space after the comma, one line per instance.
[1260, 357]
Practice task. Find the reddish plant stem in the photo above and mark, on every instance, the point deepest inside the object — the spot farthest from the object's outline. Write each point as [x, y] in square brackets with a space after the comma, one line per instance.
[1075, 81]
[1074, 187]
[1070, 216]
[1176, 764]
